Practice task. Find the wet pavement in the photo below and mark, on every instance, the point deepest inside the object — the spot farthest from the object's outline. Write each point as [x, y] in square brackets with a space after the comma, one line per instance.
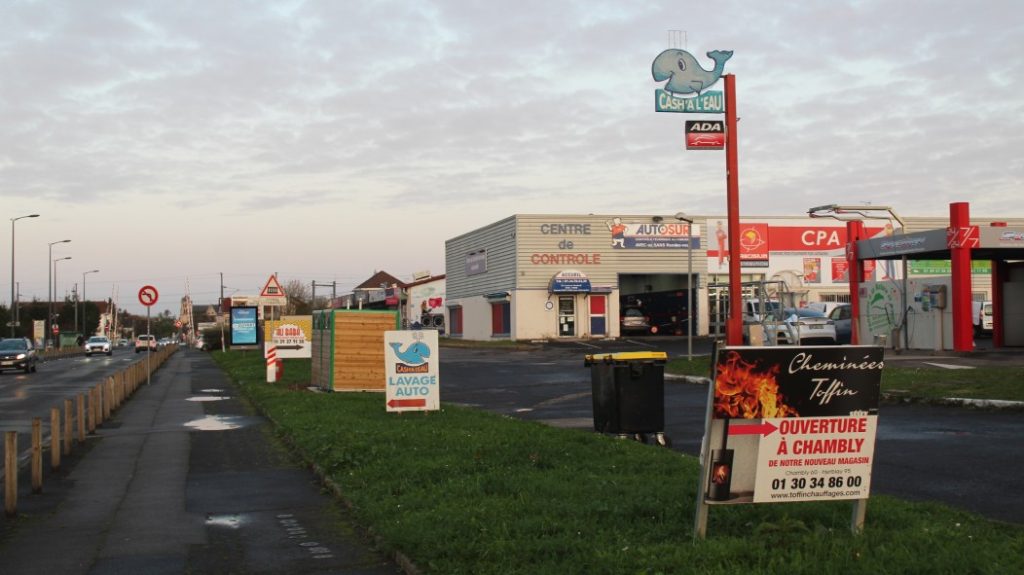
[184, 478]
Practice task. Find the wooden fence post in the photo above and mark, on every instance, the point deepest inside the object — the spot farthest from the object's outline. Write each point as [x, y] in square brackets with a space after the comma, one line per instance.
[54, 438]
[81, 417]
[37, 455]
[11, 472]
[67, 427]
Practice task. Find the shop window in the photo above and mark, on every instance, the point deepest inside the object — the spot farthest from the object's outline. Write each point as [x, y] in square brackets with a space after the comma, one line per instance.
[501, 318]
[455, 319]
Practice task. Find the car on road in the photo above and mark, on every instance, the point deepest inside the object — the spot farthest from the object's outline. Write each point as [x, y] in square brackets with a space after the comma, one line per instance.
[801, 326]
[18, 353]
[145, 343]
[122, 342]
[840, 316]
[98, 344]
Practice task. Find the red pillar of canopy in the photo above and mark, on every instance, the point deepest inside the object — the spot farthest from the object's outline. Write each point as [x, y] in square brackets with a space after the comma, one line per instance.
[960, 260]
[854, 233]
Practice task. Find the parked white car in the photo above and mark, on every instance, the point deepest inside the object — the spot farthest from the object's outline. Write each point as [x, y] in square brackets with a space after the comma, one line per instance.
[801, 326]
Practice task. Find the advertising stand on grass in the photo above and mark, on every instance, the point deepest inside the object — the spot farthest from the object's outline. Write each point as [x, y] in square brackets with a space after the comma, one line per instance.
[411, 364]
[787, 424]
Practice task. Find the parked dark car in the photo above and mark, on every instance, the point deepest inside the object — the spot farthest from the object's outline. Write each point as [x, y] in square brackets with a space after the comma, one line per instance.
[18, 353]
[841, 316]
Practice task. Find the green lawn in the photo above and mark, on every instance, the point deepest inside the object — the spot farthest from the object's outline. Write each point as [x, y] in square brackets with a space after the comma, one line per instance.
[466, 491]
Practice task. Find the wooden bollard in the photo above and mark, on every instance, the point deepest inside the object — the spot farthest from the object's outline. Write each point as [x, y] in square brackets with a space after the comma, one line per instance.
[80, 404]
[107, 400]
[37, 455]
[54, 438]
[67, 427]
[99, 405]
[92, 410]
[11, 472]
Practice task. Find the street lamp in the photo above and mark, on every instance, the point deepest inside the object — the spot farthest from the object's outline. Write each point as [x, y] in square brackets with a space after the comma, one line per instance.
[49, 288]
[84, 301]
[57, 343]
[14, 306]
[689, 282]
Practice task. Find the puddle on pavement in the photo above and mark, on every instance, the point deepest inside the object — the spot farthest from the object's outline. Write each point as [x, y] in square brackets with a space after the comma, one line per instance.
[231, 521]
[207, 398]
[212, 390]
[219, 422]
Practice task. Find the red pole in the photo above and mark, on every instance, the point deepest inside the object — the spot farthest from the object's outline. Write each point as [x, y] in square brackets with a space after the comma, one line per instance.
[960, 260]
[734, 325]
[854, 233]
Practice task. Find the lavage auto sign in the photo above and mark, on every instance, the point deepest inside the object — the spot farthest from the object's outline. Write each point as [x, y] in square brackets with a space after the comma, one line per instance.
[411, 367]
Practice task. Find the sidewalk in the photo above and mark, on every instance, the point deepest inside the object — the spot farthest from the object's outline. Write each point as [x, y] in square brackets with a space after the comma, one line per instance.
[184, 478]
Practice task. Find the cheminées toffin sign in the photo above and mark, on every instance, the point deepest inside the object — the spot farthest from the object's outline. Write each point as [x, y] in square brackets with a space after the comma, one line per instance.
[292, 335]
[791, 424]
[411, 366]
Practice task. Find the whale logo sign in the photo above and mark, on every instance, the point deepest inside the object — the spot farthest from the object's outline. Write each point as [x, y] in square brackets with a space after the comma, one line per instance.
[415, 353]
[683, 75]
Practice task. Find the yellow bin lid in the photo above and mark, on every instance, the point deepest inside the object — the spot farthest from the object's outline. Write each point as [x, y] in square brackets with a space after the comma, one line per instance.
[624, 356]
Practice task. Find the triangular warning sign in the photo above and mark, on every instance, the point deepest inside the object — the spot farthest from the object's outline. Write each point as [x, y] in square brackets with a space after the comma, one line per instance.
[272, 288]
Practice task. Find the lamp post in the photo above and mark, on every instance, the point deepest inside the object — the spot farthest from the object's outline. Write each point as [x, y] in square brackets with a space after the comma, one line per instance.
[57, 340]
[14, 306]
[689, 282]
[85, 300]
[49, 289]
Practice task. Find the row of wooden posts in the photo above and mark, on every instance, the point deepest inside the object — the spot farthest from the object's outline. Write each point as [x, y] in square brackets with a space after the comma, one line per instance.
[82, 414]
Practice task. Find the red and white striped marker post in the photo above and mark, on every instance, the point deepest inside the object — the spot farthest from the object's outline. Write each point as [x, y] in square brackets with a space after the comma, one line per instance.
[272, 361]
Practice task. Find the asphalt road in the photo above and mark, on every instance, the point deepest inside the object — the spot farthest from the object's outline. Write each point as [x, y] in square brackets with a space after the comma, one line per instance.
[968, 458]
[24, 396]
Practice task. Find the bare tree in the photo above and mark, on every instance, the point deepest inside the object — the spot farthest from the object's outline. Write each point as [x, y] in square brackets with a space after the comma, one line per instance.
[298, 297]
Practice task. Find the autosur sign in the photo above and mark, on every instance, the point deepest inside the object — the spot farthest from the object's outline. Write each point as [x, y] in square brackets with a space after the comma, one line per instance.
[411, 367]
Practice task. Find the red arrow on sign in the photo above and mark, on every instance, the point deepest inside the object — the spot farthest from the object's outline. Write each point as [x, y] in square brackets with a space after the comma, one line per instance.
[407, 403]
[764, 429]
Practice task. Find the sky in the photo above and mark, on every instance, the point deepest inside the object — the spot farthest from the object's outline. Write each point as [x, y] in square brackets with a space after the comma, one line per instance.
[173, 142]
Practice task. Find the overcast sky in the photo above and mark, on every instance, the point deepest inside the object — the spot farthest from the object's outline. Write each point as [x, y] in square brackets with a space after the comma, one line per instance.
[175, 140]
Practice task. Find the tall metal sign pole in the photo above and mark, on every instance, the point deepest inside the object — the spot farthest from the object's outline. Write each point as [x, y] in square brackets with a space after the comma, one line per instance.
[734, 325]
[683, 75]
[147, 297]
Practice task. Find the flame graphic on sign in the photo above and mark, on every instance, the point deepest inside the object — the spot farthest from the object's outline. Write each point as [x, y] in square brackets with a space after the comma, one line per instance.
[743, 390]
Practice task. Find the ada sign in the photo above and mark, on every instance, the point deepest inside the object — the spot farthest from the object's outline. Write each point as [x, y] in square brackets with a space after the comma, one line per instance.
[705, 135]
[411, 368]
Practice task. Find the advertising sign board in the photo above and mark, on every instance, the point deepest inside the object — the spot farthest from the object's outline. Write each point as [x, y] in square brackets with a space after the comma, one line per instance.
[791, 424]
[243, 326]
[411, 366]
[292, 335]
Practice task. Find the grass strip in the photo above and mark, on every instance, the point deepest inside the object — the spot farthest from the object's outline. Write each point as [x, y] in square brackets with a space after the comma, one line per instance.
[466, 491]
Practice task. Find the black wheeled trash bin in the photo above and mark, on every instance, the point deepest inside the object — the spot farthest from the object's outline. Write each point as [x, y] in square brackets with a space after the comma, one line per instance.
[628, 391]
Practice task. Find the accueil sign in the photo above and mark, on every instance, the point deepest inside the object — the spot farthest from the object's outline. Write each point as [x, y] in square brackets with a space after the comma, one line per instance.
[786, 424]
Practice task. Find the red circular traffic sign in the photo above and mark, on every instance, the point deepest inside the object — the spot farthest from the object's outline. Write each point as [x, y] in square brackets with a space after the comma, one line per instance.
[148, 295]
